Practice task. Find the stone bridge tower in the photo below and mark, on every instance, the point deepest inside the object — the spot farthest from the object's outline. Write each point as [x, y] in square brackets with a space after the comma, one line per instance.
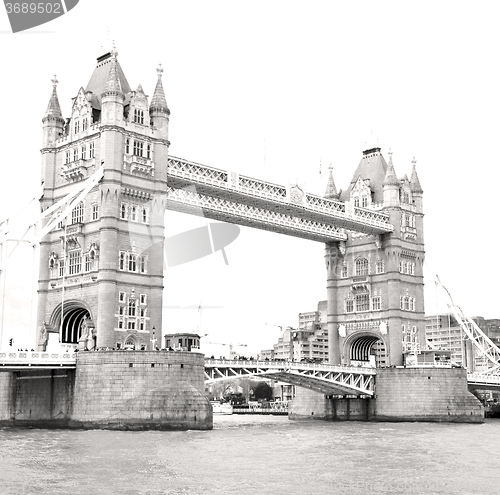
[375, 288]
[101, 269]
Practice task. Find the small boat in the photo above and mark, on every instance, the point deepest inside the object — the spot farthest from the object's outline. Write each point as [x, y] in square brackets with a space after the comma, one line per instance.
[221, 407]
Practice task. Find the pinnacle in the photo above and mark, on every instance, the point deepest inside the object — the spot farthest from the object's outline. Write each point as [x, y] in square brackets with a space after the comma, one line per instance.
[331, 190]
[390, 174]
[415, 182]
[159, 102]
[113, 82]
[53, 108]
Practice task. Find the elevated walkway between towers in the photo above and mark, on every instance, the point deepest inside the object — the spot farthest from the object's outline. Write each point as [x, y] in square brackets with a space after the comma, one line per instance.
[234, 198]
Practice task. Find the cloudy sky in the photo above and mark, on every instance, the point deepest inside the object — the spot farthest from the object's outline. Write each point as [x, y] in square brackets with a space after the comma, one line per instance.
[271, 89]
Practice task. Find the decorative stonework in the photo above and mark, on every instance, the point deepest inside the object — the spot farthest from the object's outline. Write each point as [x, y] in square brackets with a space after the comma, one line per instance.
[296, 195]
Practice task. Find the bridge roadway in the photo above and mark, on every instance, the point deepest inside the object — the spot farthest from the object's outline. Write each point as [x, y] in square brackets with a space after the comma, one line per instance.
[324, 378]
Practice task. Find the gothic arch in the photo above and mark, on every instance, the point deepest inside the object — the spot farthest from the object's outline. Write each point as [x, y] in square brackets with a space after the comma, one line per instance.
[360, 345]
[72, 312]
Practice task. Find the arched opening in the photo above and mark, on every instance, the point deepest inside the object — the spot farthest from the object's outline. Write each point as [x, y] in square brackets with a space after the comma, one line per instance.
[368, 350]
[73, 314]
[130, 342]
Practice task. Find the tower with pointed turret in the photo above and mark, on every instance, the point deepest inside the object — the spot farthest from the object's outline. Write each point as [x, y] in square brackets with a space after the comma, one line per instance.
[375, 296]
[101, 269]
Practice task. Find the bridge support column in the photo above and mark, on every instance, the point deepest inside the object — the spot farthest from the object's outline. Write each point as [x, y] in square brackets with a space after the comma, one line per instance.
[332, 263]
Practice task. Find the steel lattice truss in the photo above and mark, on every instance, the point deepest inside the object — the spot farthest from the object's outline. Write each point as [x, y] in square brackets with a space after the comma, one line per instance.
[235, 198]
[324, 378]
[187, 201]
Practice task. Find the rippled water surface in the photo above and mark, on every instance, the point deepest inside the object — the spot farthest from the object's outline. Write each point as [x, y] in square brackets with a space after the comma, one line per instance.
[255, 455]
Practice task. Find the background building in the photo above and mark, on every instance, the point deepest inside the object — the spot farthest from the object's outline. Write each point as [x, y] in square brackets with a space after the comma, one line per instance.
[442, 331]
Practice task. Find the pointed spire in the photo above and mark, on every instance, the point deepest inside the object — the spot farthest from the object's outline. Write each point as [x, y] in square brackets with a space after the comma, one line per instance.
[139, 89]
[331, 190]
[53, 109]
[159, 102]
[390, 174]
[113, 85]
[415, 183]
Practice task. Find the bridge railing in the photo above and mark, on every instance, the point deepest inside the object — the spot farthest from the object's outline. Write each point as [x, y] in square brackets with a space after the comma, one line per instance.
[34, 358]
[291, 365]
[483, 378]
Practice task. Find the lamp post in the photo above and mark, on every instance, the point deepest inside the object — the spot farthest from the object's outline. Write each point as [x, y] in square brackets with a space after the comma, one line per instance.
[153, 340]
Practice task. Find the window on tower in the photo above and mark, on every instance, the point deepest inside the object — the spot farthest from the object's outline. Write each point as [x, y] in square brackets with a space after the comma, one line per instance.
[132, 263]
[61, 268]
[343, 273]
[363, 302]
[123, 211]
[74, 262]
[138, 148]
[379, 267]
[127, 146]
[361, 266]
[131, 307]
[77, 213]
[148, 152]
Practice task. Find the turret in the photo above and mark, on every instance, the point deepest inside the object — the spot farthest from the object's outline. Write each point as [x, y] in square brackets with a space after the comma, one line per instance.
[112, 97]
[158, 110]
[416, 188]
[53, 122]
[391, 185]
[331, 190]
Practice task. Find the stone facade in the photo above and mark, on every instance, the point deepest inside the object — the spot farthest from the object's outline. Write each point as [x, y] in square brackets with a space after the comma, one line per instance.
[103, 263]
[150, 390]
[401, 394]
[426, 394]
[111, 390]
[375, 302]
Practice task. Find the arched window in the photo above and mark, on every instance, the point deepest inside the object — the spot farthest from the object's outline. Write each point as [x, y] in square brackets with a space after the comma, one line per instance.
[127, 146]
[131, 307]
[77, 213]
[356, 201]
[364, 201]
[361, 266]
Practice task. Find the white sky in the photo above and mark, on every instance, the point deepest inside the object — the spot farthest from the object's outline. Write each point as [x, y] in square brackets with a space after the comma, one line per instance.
[269, 89]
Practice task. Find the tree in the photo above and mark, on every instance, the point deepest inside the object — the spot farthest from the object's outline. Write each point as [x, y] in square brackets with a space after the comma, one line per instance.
[263, 391]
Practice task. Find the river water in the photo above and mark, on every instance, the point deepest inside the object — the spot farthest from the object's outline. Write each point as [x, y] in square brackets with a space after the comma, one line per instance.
[255, 455]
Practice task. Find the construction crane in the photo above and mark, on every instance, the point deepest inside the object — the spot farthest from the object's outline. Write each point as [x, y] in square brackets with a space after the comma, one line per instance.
[486, 347]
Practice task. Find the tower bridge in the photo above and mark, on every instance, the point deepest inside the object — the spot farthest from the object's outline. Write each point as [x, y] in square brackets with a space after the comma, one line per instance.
[109, 265]
[102, 253]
